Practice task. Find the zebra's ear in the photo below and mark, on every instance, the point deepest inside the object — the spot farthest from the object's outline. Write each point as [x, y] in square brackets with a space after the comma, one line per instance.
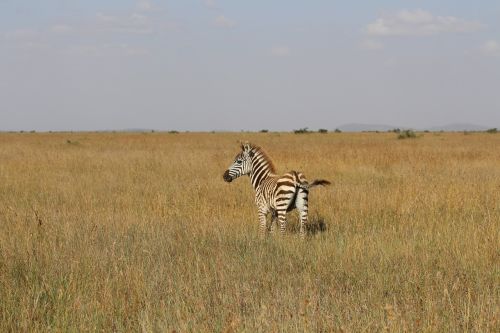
[245, 146]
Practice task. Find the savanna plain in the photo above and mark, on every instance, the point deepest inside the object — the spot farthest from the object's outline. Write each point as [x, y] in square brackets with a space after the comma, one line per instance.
[138, 232]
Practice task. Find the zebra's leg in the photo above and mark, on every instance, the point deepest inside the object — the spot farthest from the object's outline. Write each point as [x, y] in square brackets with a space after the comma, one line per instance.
[274, 218]
[282, 220]
[262, 221]
[302, 206]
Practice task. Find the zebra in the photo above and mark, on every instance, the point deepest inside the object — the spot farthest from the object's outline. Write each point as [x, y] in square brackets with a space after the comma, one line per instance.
[273, 193]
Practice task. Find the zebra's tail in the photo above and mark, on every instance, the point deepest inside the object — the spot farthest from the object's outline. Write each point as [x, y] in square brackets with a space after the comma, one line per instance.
[322, 182]
[316, 182]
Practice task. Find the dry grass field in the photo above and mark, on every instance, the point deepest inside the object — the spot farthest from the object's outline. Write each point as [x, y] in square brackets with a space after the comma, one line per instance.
[138, 232]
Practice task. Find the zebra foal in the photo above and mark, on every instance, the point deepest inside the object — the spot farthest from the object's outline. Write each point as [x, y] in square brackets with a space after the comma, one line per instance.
[273, 193]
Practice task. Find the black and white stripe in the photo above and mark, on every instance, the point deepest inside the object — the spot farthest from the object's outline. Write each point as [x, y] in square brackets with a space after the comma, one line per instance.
[273, 194]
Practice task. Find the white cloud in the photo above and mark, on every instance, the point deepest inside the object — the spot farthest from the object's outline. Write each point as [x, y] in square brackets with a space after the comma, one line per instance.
[109, 27]
[105, 18]
[84, 50]
[280, 51]
[134, 23]
[21, 35]
[139, 18]
[144, 5]
[61, 29]
[419, 23]
[370, 44]
[223, 22]
[106, 50]
[25, 39]
[212, 4]
[491, 47]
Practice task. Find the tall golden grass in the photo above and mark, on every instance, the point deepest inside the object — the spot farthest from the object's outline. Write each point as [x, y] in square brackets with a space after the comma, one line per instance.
[138, 232]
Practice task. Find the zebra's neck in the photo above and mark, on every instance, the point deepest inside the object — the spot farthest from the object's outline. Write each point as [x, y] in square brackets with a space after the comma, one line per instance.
[261, 169]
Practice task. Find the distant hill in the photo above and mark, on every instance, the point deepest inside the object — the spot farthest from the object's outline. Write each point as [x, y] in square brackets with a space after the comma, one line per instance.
[453, 127]
[354, 127]
[459, 127]
[139, 130]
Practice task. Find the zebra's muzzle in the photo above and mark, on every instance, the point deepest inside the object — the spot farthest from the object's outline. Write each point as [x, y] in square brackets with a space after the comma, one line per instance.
[227, 177]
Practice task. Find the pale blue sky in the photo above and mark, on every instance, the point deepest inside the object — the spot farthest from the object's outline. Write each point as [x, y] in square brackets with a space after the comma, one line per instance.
[233, 65]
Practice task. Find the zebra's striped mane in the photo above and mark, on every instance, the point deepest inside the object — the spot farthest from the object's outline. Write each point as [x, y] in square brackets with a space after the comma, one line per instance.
[260, 152]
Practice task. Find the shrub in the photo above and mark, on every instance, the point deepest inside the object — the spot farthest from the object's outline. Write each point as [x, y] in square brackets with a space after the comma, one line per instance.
[492, 130]
[337, 130]
[173, 132]
[301, 131]
[407, 134]
[323, 130]
[264, 130]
